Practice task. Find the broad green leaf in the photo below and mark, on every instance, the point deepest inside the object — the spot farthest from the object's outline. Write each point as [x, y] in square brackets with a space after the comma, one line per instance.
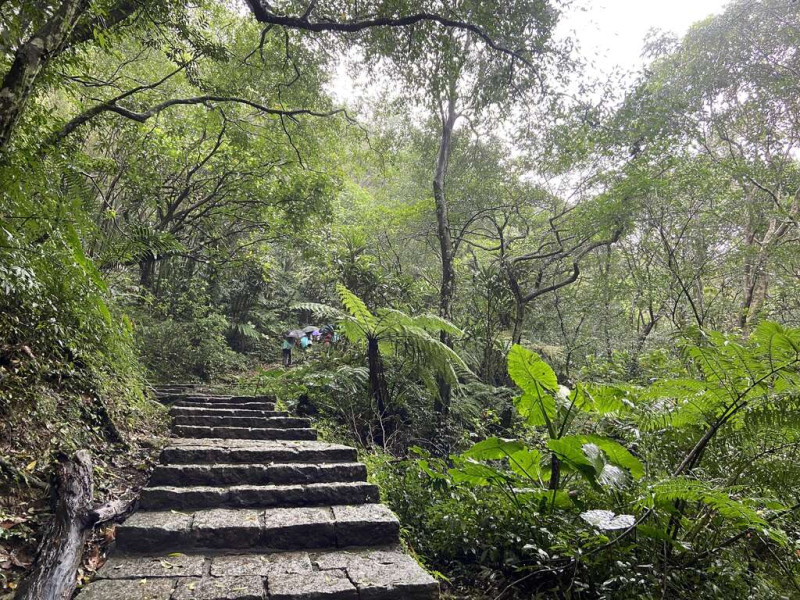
[475, 473]
[526, 463]
[546, 498]
[570, 451]
[617, 454]
[536, 409]
[528, 370]
[604, 399]
[493, 448]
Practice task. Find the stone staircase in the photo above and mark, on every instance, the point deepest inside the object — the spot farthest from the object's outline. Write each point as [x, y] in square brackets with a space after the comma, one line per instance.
[247, 505]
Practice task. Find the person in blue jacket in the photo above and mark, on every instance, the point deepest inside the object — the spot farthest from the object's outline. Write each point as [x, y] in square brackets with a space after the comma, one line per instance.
[305, 341]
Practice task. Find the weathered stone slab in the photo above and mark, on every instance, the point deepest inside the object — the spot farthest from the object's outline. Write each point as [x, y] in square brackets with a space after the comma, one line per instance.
[221, 588]
[224, 528]
[244, 433]
[315, 494]
[236, 405]
[129, 589]
[149, 531]
[256, 474]
[210, 450]
[257, 398]
[242, 421]
[267, 496]
[321, 585]
[143, 567]
[402, 579]
[180, 498]
[317, 473]
[383, 574]
[358, 492]
[365, 525]
[261, 565]
[185, 411]
[298, 528]
[257, 496]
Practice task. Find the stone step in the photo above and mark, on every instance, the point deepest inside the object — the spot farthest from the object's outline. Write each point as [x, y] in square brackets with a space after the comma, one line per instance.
[243, 421]
[241, 405]
[213, 399]
[275, 528]
[212, 451]
[384, 573]
[256, 474]
[244, 433]
[258, 496]
[177, 411]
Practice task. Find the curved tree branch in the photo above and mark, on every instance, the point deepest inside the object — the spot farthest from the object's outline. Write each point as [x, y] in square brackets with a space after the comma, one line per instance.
[141, 117]
[264, 14]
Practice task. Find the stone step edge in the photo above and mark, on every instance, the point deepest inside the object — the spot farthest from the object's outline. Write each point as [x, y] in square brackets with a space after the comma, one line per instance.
[245, 433]
[188, 455]
[338, 526]
[384, 573]
[280, 471]
[202, 497]
[286, 421]
[245, 412]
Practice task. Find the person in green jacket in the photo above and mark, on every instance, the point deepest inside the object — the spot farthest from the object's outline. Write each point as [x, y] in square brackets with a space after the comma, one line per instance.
[287, 351]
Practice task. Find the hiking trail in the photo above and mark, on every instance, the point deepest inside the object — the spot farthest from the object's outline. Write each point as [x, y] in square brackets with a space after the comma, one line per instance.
[248, 505]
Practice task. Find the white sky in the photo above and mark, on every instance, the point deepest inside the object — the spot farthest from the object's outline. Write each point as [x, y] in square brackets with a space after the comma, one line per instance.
[610, 34]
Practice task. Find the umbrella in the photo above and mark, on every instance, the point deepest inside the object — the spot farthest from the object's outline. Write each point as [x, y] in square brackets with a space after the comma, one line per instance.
[309, 329]
[296, 333]
[327, 329]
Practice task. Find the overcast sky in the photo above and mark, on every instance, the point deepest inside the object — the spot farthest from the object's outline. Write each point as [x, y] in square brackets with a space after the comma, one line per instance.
[611, 33]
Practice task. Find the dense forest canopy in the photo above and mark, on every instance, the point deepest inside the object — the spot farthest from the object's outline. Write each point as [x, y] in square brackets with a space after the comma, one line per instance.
[567, 311]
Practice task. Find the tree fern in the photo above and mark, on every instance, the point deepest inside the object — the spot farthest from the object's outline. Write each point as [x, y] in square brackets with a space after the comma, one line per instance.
[390, 331]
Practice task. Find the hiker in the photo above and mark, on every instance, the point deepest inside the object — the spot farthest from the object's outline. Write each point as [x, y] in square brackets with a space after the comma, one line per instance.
[287, 351]
[305, 341]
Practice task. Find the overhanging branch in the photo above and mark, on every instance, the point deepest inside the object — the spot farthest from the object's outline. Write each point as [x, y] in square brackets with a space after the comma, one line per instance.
[264, 14]
[141, 117]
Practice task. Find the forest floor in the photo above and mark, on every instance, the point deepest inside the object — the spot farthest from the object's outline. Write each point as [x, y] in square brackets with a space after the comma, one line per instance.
[27, 450]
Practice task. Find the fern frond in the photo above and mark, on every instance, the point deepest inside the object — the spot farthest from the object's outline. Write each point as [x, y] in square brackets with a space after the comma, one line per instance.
[355, 306]
[322, 311]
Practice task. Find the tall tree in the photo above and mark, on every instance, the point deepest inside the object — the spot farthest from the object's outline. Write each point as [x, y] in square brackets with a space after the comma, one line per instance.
[453, 77]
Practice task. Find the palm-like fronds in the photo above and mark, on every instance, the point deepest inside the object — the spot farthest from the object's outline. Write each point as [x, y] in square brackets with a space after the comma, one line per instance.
[396, 332]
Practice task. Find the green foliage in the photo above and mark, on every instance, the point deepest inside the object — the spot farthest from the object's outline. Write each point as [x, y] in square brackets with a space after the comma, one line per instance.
[692, 511]
[396, 332]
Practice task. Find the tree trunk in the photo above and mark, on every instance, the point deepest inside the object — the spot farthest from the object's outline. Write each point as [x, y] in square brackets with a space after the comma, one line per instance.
[448, 287]
[29, 60]
[378, 389]
[519, 320]
[555, 472]
[147, 269]
[60, 551]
